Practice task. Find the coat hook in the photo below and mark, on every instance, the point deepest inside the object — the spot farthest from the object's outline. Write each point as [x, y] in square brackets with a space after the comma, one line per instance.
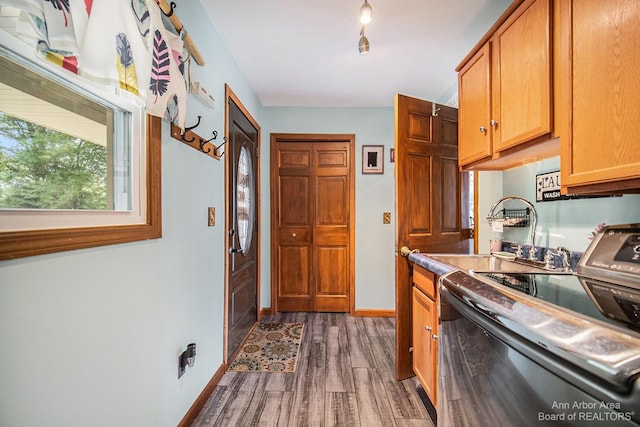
[173, 5]
[216, 151]
[203, 142]
[215, 135]
[187, 129]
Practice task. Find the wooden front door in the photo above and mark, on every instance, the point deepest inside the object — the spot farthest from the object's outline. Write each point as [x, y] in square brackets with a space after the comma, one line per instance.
[242, 146]
[431, 204]
[312, 222]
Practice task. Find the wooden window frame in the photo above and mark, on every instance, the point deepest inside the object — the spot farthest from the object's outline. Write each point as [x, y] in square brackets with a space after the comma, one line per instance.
[18, 244]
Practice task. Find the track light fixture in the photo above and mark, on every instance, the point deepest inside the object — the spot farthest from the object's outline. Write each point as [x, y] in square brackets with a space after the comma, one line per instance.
[363, 44]
[366, 12]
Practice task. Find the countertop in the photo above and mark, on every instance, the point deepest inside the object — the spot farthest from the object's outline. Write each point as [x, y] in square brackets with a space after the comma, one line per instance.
[437, 267]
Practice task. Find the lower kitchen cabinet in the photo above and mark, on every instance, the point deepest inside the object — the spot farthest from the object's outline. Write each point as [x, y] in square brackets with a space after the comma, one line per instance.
[425, 331]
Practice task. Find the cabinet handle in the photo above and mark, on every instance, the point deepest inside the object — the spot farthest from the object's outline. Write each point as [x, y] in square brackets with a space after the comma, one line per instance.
[293, 234]
[483, 129]
[434, 336]
[493, 123]
[427, 328]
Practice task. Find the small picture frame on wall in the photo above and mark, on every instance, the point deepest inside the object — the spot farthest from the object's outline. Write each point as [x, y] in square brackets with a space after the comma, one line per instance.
[373, 159]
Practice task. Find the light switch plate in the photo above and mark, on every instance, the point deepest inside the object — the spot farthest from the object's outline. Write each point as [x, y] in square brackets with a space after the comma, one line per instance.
[212, 217]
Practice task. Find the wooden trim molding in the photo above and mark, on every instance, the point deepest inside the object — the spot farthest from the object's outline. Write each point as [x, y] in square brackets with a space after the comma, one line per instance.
[201, 400]
[265, 311]
[17, 244]
[374, 313]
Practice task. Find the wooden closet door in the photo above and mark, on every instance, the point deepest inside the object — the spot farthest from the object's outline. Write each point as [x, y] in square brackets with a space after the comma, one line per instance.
[331, 226]
[294, 226]
[312, 211]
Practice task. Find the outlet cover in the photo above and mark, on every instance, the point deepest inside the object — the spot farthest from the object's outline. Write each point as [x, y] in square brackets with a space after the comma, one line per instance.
[212, 217]
[386, 217]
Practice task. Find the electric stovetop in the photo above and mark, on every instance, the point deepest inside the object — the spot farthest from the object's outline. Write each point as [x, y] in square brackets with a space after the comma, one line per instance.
[605, 301]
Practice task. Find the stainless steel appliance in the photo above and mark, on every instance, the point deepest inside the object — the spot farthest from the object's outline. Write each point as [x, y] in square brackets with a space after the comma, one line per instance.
[545, 349]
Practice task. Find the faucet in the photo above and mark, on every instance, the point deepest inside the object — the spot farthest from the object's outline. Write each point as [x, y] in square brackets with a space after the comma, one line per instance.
[533, 252]
[566, 256]
[561, 251]
[518, 249]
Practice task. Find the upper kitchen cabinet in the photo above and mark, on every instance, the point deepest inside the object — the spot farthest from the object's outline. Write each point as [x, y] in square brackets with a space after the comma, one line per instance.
[597, 90]
[505, 91]
[474, 108]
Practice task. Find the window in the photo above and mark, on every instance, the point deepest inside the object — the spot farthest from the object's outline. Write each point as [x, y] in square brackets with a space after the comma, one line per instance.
[78, 167]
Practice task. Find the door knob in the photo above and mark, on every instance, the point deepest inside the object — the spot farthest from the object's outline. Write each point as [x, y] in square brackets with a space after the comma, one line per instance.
[405, 251]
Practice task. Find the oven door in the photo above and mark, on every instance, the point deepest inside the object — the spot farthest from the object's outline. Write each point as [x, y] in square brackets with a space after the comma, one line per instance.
[489, 375]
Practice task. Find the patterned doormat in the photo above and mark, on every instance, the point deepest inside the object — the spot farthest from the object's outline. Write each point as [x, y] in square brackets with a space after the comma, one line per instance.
[270, 347]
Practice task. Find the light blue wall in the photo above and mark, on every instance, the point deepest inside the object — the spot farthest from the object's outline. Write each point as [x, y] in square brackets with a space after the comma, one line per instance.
[91, 337]
[565, 222]
[375, 194]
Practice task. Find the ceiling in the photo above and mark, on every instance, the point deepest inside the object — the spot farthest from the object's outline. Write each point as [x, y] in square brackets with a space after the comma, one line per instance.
[305, 53]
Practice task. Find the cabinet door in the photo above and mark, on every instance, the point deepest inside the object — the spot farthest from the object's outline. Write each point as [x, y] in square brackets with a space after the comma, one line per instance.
[601, 108]
[425, 345]
[474, 109]
[522, 76]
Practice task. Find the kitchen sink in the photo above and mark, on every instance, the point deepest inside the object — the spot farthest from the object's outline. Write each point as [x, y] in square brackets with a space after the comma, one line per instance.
[490, 263]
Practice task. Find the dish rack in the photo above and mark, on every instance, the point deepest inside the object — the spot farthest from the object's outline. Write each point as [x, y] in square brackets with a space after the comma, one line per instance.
[523, 217]
[511, 217]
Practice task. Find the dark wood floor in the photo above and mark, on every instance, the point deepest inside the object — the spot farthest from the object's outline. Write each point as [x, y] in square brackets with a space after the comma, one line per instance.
[345, 377]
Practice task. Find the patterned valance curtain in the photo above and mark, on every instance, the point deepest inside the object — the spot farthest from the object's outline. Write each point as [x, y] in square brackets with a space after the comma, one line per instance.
[121, 43]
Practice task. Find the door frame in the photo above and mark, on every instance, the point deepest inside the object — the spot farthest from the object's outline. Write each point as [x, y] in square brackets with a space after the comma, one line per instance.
[313, 138]
[230, 95]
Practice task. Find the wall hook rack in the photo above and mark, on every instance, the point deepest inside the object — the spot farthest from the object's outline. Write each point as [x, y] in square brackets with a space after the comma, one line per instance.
[168, 9]
[173, 5]
[194, 140]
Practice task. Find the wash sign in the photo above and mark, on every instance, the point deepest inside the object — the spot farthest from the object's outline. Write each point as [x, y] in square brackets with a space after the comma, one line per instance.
[548, 188]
